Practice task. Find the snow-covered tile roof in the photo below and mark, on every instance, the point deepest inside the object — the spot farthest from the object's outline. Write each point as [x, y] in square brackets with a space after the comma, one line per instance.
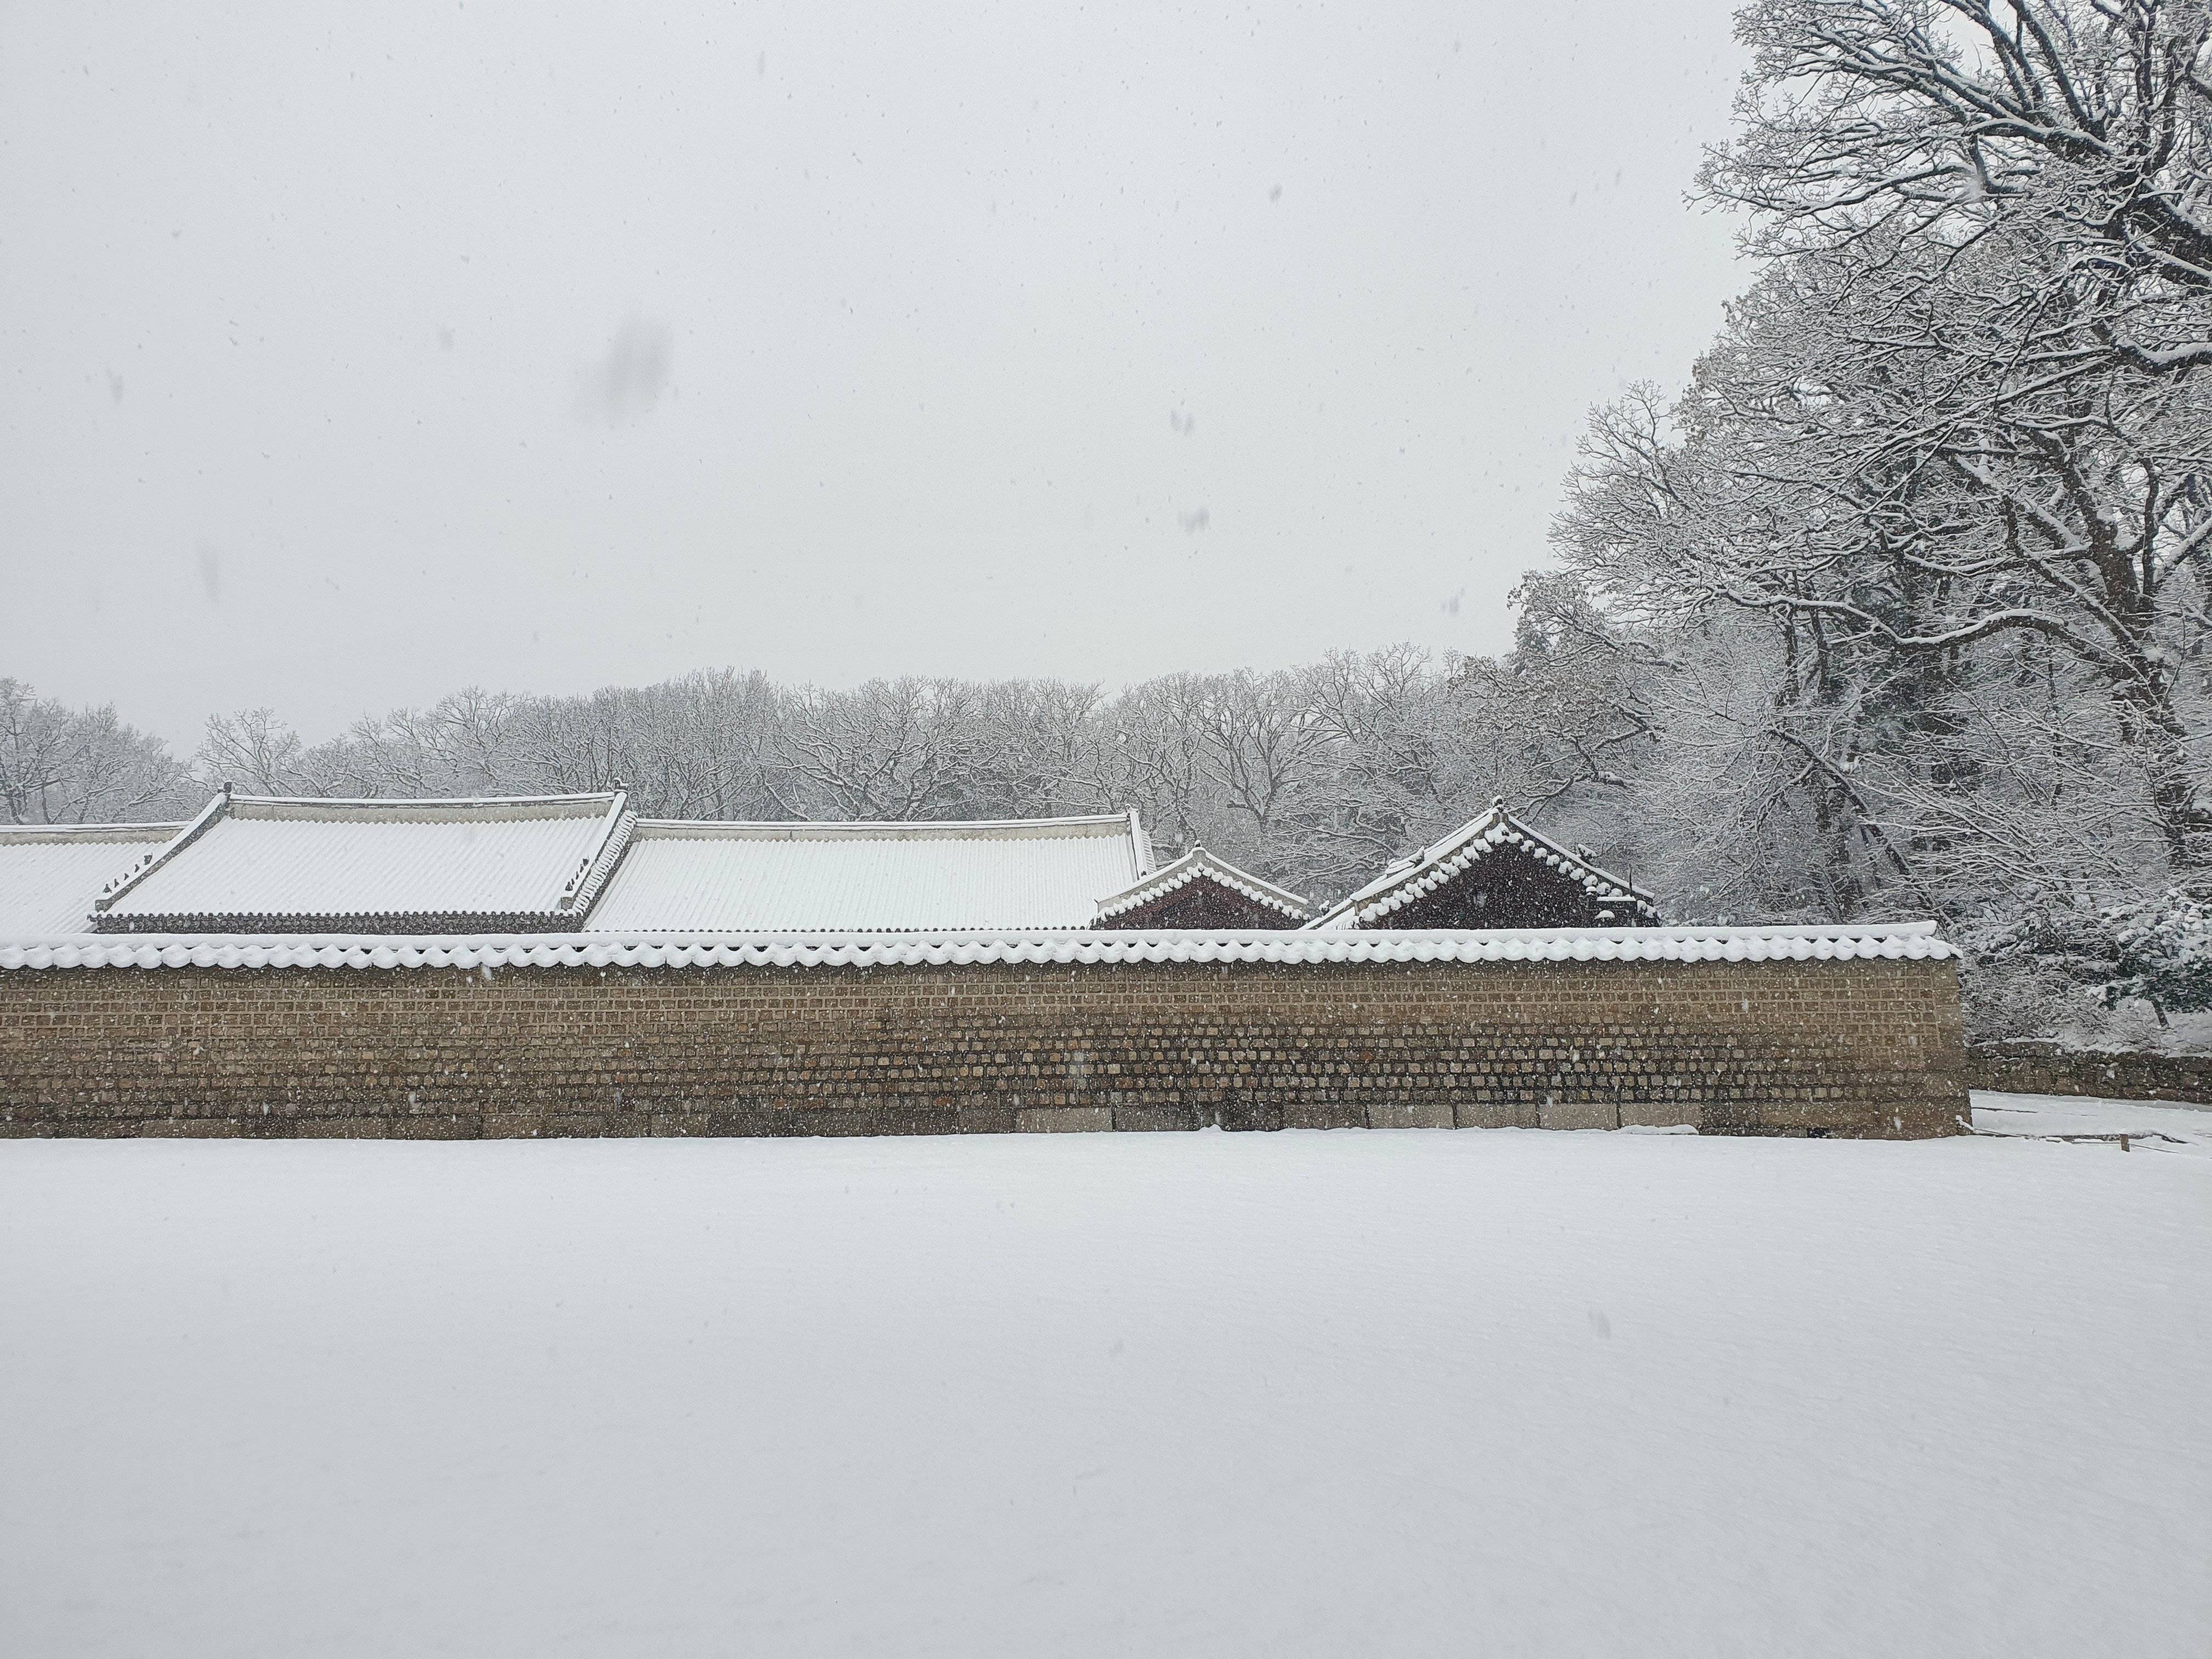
[258, 862]
[1909, 941]
[50, 873]
[1421, 873]
[773, 878]
[1198, 865]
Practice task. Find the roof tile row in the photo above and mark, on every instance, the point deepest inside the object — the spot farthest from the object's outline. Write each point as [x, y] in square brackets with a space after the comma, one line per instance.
[1913, 941]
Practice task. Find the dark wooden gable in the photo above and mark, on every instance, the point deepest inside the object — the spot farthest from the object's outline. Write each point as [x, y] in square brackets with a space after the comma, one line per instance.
[1495, 872]
[1201, 901]
[1513, 886]
[1200, 890]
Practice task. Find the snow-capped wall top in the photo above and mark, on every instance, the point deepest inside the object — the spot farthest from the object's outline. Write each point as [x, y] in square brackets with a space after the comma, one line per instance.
[1198, 865]
[261, 862]
[863, 877]
[50, 872]
[1911, 940]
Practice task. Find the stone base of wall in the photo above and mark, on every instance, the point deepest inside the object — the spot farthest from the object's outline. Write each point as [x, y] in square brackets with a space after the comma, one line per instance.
[1863, 1047]
[2044, 1068]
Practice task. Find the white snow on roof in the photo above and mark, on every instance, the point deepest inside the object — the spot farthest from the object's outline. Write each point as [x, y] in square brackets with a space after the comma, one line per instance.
[1909, 941]
[1414, 877]
[1198, 865]
[50, 873]
[773, 878]
[254, 856]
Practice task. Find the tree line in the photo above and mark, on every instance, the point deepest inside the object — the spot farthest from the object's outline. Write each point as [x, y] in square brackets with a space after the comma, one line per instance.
[1314, 776]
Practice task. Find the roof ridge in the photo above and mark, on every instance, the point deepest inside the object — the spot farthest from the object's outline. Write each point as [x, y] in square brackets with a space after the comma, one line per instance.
[1110, 823]
[92, 831]
[591, 795]
[185, 837]
[599, 864]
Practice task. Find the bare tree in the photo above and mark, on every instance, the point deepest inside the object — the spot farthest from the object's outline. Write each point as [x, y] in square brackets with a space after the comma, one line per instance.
[256, 750]
[59, 765]
[1860, 459]
[1156, 747]
[891, 750]
[2085, 125]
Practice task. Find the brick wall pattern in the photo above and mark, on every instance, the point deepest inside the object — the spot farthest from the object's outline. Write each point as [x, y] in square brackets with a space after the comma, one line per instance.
[2044, 1068]
[1866, 1046]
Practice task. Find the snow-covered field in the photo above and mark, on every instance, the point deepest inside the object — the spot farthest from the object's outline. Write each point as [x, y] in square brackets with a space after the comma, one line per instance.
[1372, 1393]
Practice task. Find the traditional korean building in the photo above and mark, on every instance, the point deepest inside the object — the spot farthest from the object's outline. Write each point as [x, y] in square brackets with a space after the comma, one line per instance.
[585, 864]
[252, 863]
[262, 865]
[1200, 890]
[556, 965]
[1494, 871]
[1028, 874]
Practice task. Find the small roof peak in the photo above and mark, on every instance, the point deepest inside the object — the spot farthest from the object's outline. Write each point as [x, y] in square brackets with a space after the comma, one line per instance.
[1195, 863]
[1418, 873]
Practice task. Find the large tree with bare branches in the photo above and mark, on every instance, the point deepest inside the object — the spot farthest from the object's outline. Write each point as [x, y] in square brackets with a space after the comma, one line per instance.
[2083, 125]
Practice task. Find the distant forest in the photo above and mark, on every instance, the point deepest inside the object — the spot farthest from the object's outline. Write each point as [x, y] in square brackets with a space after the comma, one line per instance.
[1900, 606]
[1317, 776]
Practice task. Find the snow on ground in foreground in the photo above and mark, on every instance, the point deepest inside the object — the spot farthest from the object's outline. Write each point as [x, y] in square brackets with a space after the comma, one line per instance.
[1389, 1393]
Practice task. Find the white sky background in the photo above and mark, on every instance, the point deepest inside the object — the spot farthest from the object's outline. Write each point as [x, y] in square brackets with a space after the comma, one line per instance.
[353, 356]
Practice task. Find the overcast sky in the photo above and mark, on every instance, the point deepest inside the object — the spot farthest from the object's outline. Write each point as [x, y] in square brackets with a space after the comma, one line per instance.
[356, 355]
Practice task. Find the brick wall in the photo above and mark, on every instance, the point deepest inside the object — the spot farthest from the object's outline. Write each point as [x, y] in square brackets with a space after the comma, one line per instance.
[2044, 1068]
[1858, 1048]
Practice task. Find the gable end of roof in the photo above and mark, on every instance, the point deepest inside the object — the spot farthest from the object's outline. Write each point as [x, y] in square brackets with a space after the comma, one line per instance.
[1415, 878]
[1198, 865]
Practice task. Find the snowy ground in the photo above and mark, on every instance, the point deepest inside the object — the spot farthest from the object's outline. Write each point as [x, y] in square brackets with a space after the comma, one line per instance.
[1387, 1394]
